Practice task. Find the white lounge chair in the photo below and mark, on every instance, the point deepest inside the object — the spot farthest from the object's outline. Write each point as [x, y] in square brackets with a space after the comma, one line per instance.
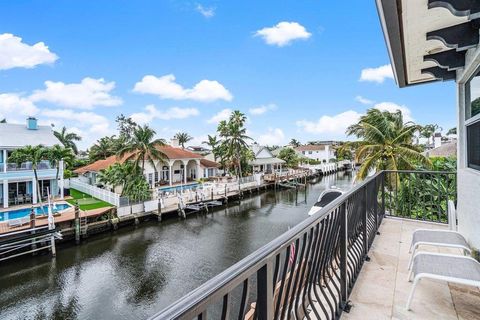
[440, 238]
[445, 267]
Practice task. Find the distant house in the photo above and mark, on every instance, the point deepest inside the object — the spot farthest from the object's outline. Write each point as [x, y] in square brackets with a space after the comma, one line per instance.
[210, 168]
[318, 152]
[198, 150]
[18, 181]
[264, 161]
[448, 149]
[179, 166]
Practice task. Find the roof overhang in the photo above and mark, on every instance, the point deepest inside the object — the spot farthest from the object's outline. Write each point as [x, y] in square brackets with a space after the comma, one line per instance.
[427, 39]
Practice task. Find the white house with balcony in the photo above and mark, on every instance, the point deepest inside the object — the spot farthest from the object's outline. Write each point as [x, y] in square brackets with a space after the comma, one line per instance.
[17, 182]
[318, 152]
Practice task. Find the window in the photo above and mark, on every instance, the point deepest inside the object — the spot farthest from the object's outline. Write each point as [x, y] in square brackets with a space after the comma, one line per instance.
[310, 152]
[473, 145]
[156, 176]
[472, 121]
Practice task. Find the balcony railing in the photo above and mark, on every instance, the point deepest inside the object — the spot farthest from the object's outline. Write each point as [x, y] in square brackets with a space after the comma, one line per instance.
[27, 166]
[309, 271]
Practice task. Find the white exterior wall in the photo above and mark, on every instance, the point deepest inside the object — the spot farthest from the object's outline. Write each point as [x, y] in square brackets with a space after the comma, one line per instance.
[468, 180]
[193, 170]
[320, 155]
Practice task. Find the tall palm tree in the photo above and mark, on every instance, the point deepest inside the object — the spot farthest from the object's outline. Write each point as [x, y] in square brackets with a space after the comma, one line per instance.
[68, 139]
[213, 142]
[386, 142]
[102, 149]
[234, 137]
[56, 154]
[183, 138]
[143, 147]
[33, 154]
[295, 143]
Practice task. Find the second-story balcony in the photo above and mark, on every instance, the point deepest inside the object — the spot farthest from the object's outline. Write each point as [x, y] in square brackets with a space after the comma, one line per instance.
[349, 260]
[43, 165]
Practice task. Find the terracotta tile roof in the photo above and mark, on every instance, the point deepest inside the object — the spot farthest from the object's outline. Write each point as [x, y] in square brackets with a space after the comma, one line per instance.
[312, 147]
[209, 164]
[172, 153]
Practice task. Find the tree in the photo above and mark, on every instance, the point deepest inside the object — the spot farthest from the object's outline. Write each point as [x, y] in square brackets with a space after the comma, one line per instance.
[428, 130]
[68, 139]
[295, 143]
[213, 143]
[102, 149]
[289, 155]
[234, 138]
[125, 125]
[128, 176]
[33, 154]
[183, 138]
[452, 131]
[386, 142]
[142, 147]
[56, 154]
[475, 107]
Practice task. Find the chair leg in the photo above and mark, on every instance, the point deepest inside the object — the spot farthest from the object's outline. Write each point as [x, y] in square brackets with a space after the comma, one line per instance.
[410, 297]
[410, 261]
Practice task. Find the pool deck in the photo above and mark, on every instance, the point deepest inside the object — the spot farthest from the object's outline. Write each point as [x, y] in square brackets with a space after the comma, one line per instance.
[67, 215]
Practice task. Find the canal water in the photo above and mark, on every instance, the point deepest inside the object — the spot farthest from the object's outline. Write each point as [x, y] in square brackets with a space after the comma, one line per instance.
[133, 273]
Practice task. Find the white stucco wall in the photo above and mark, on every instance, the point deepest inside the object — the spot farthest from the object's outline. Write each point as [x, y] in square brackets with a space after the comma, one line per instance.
[468, 180]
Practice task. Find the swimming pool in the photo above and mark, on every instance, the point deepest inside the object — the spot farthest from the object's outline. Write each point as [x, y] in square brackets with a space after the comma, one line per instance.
[21, 213]
[178, 188]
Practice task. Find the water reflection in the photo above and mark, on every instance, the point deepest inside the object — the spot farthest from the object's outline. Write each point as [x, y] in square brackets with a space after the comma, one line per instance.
[134, 272]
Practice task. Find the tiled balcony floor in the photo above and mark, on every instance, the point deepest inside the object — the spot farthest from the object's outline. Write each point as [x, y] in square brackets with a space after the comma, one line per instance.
[382, 288]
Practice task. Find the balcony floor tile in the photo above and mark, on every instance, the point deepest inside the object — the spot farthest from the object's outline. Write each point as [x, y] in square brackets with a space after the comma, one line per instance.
[382, 288]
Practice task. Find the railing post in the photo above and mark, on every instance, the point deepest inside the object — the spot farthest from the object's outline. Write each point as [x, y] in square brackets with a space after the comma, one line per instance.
[343, 254]
[365, 222]
[264, 307]
[375, 202]
[384, 175]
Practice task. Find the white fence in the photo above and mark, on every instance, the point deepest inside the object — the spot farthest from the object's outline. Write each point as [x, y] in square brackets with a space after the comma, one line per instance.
[102, 194]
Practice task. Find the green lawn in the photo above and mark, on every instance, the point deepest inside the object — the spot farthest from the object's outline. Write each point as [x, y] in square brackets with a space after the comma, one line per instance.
[86, 201]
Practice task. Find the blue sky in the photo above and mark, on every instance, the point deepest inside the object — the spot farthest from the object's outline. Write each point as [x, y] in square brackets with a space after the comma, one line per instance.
[294, 67]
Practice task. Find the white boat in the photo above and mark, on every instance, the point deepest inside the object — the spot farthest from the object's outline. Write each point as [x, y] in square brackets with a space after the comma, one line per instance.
[325, 198]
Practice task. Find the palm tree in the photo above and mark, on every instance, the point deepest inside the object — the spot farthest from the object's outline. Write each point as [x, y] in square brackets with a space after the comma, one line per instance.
[102, 149]
[33, 154]
[142, 147]
[183, 138]
[295, 143]
[56, 154]
[213, 143]
[386, 142]
[128, 176]
[68, 139]
[234, 137]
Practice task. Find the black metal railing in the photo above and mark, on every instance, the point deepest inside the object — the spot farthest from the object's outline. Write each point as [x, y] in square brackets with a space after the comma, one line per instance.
[420, 195]
[309, 271]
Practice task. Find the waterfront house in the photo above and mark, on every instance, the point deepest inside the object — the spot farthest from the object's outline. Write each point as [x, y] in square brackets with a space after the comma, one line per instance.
[209, 168]
[318, 152]
[18, 181]
[179, 167]
[264, 161]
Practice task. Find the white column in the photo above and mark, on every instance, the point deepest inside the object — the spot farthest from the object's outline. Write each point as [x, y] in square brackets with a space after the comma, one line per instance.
[199, 173]
[61, 181]
[170, 175]
[5, 193]
[185, 172]
[4, 160]
[34, 191]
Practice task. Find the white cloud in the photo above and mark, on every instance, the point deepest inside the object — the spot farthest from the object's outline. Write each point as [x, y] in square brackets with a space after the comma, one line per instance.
[151, 113]
[284, 33]
[393, 107]
[84, 95]
[272, 137]
[363, 100]
[222, 115]
[336, 124]
[377, 74]
[16, 54]
[16, 108]
[166, 88]
[207, 12]
[262, 109]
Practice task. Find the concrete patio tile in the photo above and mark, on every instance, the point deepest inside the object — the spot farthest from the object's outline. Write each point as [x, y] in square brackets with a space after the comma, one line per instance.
[382, 288]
